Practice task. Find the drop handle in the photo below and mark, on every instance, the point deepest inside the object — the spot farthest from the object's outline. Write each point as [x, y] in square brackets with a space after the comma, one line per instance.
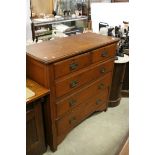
[73, 84]
[73, 66]
[101, 86]
[104, 54]
[72, 121]
[98, 101]
[103, 70]
[72, 102]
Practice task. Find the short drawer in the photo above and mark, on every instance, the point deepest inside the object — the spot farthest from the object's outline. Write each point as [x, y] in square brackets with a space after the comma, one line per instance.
[72, 64]
[104, 53]
[70, 83]
[83, 95]
[69, 121]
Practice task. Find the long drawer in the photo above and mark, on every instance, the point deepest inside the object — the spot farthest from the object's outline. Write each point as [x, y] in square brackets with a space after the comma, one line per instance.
[76, 80]
[103, 53]
[72, 64]
[83, 95]
[73, 118]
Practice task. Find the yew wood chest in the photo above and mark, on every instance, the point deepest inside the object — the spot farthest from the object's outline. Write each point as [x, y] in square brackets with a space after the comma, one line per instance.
[78, 71]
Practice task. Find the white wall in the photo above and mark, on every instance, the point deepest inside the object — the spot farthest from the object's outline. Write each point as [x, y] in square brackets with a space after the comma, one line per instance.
[28, 21]
[111, 13]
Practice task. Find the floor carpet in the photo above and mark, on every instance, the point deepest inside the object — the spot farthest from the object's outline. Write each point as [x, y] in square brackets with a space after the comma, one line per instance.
[100, 134]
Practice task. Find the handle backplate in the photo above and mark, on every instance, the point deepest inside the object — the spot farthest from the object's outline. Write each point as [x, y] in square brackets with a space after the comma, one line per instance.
[73, 84]
[72, 121]
[103, 70]
[73, 66]
[72, 102]
[104, 54]
[98, 101]
[101, 86]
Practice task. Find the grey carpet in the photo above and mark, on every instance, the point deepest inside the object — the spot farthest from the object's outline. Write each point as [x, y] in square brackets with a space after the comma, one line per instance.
[100, 134]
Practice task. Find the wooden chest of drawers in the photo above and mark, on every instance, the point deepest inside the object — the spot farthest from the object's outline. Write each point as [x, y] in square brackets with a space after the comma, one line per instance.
[78, 71]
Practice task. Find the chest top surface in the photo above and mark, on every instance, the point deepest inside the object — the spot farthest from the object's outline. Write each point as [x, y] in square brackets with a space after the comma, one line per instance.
[61, 48]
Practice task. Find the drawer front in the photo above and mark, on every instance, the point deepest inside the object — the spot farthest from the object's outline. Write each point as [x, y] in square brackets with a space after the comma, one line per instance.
[98, 102]
[73, 64]
[104, 53]
[78, 79]
[83, 95]
[70, 120]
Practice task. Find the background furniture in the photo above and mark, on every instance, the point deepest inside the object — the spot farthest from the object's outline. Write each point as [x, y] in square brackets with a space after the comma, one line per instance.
[35, 140]
[117, 81]
[62, 12]
[125, 87]
[47, 23]
[114, 1]
[78, 71]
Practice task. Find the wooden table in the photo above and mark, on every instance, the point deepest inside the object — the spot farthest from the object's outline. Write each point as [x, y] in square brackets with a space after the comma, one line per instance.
[35, 139]
[39, 90]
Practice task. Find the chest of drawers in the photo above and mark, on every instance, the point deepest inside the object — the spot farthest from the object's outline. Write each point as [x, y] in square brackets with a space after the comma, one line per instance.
[78, 71]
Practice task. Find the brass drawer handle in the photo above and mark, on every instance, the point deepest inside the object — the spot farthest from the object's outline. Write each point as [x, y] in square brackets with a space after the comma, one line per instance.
[103, 70]
[73, 84]
[72, 121]
[73, 66]
[72, 102]
[101, 86]
[104, 54]
[98, 101]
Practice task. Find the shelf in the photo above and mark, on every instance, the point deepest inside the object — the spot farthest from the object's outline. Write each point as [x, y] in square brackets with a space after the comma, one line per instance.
[48, 23]
[42, 22]
[42, 33]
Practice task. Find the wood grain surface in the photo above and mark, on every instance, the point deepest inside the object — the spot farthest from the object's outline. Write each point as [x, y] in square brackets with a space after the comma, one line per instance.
[58, 49]
[66, 66]
[37, 89]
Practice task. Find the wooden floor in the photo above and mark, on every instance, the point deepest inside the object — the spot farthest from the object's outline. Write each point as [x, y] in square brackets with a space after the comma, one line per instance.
[125, 149]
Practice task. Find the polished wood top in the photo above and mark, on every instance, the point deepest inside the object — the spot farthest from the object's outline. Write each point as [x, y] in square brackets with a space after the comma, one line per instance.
[37, 89]
[61, 48]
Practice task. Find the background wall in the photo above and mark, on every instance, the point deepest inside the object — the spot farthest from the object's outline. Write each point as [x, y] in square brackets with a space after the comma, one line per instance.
[111, 13]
